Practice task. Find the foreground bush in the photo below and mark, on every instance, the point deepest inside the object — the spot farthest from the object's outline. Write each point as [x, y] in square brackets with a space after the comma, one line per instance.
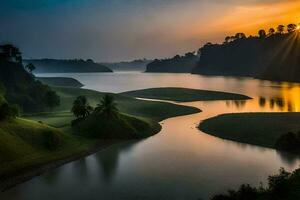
[282, 186]
[8, 111]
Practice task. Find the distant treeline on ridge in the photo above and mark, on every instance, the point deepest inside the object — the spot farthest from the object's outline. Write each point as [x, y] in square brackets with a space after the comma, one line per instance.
[271, 55]
[67, 66]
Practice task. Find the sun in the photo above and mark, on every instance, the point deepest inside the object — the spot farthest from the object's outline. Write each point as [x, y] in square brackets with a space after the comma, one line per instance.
[298, 28]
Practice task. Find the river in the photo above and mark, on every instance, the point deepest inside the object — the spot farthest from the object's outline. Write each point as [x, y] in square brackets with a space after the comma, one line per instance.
[180, 162]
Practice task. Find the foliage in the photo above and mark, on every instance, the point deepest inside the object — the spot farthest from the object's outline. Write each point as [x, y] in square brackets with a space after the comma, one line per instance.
[255, 56]
[22, 88]
[107, 106]
[177, 64]
[81, 107]
[284, 185]
[8, 111]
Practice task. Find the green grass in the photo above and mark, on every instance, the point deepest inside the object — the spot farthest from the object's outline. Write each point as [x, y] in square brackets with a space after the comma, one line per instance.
[120, 126]
[24, 143]
[184, 94]
[60, 81]
[156, 111]
[261, 129]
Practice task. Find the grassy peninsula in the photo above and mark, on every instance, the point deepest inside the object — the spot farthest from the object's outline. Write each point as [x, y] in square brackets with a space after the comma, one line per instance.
[60, 81]
[263, 129]
[29, 145]
[184, 94]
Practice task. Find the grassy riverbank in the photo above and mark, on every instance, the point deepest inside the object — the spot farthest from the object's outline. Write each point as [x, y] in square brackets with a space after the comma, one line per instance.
[184, 94]
[261, 129]
[25, 149]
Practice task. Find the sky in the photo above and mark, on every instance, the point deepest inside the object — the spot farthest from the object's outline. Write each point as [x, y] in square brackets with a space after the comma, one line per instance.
[119, 30]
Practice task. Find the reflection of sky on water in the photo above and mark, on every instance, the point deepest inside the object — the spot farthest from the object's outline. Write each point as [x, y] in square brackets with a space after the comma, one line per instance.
[179, 163]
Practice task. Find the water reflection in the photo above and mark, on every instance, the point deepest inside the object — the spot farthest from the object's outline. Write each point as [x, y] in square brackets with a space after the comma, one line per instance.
[275, 103]
[288, 158]
[179, 163]
[81, 168]
[108, 160]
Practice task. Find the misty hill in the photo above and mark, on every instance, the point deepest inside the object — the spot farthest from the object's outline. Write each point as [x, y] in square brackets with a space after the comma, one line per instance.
[135, 65]
[177, 64]
[273, 57]
[67, 66]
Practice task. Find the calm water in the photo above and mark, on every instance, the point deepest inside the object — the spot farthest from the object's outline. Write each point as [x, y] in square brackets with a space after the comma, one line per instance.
[180, 162]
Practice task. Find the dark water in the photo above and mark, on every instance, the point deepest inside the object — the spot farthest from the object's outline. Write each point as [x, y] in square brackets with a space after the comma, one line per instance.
[178, 163]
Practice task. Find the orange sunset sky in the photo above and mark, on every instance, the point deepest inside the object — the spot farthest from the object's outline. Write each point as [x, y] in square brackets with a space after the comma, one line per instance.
[114, 30]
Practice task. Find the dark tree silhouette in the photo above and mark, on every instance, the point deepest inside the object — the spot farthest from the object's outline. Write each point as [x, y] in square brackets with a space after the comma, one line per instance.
[271, 31]
[30, 67]
[227, 39]
[262, 33]
[280, 29]
[107, 106]
[8, 111]
[81, 107]
[291, 28]
[10, 53]
[240, 36]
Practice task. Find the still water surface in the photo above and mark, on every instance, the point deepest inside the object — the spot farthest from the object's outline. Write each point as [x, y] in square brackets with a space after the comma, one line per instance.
[180, 162]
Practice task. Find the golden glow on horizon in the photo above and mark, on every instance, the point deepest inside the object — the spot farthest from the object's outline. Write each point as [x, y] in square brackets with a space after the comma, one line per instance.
[250, 19]
[291, 96]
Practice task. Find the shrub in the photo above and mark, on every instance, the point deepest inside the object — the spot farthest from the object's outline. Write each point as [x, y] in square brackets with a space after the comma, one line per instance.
[282, 186]
[8, 111]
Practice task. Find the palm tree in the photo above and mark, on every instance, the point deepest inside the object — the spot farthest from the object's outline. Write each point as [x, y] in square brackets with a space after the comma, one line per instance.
[280, 29]
[107, 106]
[81, 108]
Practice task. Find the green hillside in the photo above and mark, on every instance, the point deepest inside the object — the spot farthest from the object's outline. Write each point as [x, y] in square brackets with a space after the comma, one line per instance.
[116, 127]
[24, 143]
[22, 89]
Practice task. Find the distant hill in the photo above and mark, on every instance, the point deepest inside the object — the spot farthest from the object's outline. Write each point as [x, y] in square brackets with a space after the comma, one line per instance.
[66, 66]
[178, 64]
[272, 57]
[135, 65]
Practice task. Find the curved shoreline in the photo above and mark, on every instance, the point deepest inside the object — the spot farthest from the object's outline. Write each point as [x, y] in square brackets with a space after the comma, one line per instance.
[261, 129]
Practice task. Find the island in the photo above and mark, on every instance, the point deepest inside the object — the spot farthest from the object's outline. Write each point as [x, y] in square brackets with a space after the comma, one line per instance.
[184, 94]
[273, 130]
